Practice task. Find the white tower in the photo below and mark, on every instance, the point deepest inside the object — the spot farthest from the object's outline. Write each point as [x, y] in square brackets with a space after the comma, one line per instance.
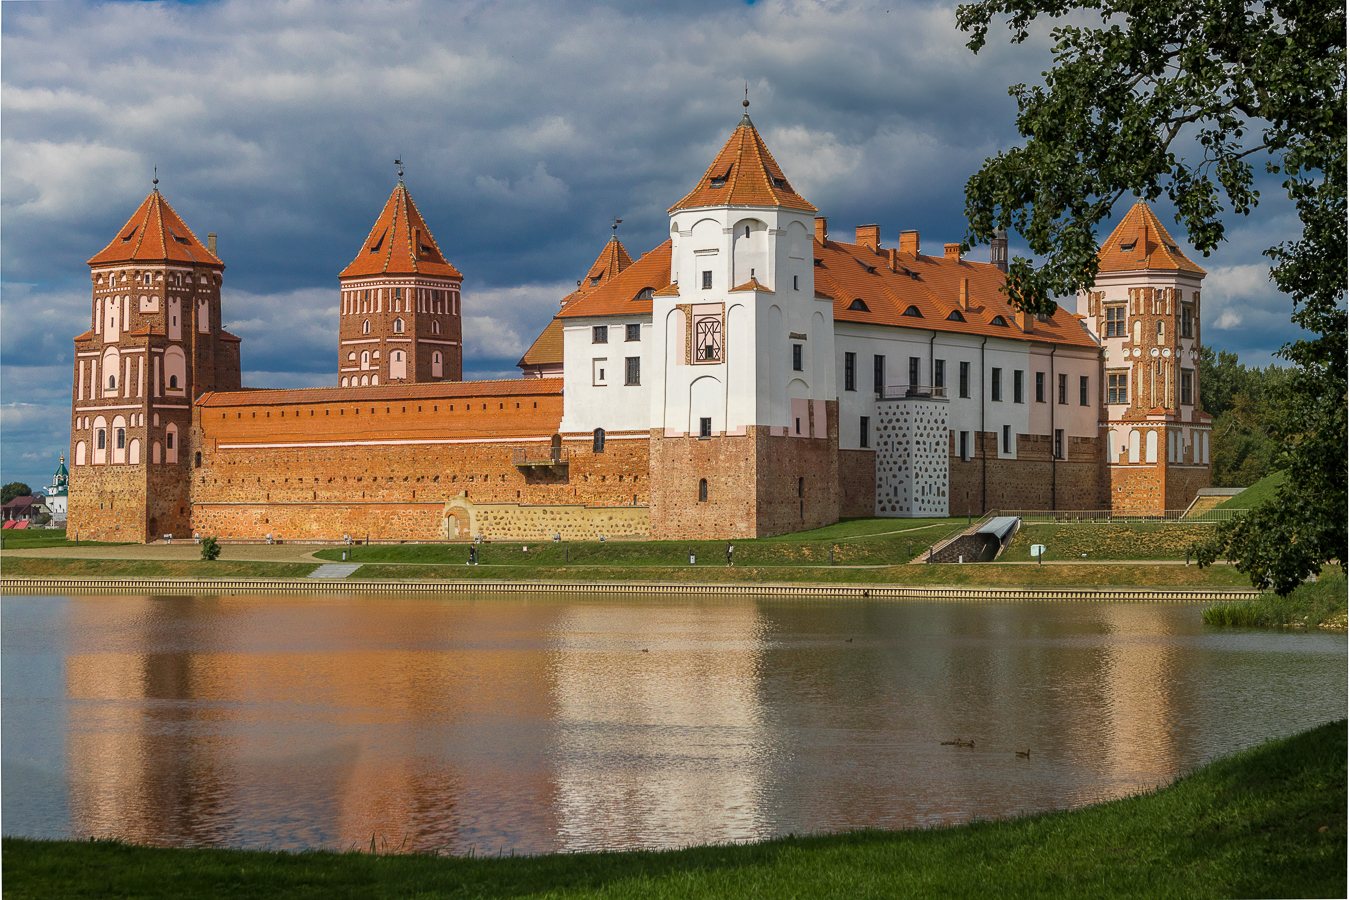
[744, 415]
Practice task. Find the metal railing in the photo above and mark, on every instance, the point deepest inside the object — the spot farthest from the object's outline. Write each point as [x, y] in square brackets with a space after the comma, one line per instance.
[912, 392]
[539, 456]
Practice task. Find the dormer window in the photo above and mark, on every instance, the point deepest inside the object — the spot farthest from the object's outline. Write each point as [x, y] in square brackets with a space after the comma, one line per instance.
[955, 316]
[718, 181]
[1130, 245]
[644, 295]
[425, 250]
[913, 312]
[375, 247]
[595, 279]
[177, 237]
[781, 184]
[999, 321]
[858, 306]
[129, 235]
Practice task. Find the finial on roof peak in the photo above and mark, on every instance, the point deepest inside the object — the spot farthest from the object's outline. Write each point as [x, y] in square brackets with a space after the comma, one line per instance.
[745, 118]
[614, 232]
[399, 163]
[154, 182]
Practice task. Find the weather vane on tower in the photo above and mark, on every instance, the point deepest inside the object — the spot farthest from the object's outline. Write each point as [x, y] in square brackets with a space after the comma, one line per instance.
[399, 162]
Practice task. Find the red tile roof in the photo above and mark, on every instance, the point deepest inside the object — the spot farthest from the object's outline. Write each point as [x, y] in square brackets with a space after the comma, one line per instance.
[1149, 246]
[400, 244]
[744, 174]
[547, 348]
[155, 234]
[625, 294]
[932, 286]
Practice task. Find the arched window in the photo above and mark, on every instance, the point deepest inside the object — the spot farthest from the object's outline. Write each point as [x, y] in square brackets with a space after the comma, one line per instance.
[175, 368]
[437, 364]
[703, 490]
[398, 326]
[912, 312]
[1160, 332]
[555, 448]
[859, 306]
[1151, 446]
[134, 452]
[344, 382]
[171, 443]
[955, 316]
[1134, 445]
[80, 451]
[365, 359]
[365, 327]
[374, 379]
[173, 382]
[598, 441]
[365, 381]
[351, 357]
[112, 382]
[435, 327]
[1000, 321]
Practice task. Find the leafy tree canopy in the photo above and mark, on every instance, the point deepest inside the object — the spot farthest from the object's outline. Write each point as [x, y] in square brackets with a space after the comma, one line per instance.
[14, 489]
[1182, 97]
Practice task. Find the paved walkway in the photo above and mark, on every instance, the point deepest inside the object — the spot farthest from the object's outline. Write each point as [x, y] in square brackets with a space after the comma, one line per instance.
[180, 551]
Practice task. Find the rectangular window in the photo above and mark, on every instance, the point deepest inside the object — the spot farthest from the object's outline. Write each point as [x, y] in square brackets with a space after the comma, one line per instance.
[1018, 375]
[1186, 380]
[913, 371]
[862, 431]
[121, 439]
[964, 379]
[705, 427]
[996, 385]
[632, 332]
[600, 334]
[1116, 387]
[632, 370]
[1187, 320]
[707, 281]
[1059, 443]
[102, 439]
[1063, 389]
[1007, 439]
[598, 372]
[1040, 387]
[878, 373]
[939, 373]
[1115, 321]
[794, 283]
[850, 363]
[1082, 390]
[965, 446]
[796, 357]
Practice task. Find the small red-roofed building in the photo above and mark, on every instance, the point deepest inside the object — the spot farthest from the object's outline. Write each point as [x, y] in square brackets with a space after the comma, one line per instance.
[399, 315]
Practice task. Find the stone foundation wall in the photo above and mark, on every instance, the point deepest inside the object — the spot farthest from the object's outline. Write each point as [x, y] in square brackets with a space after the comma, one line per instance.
[107, 503]
[857, 483]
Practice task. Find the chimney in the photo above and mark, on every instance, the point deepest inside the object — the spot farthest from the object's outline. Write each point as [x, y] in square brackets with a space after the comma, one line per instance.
[1141, 245]
[1026, 322]
[822, 232]
[909, 242]
[868, 236]
[963, 299]
[952, 251]
[891, 258]
[211, 242]
[998, 250]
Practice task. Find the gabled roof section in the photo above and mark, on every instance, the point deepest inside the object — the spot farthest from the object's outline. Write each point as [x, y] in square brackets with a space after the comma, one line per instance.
[744, 174]
[889, 282]
[547, 349]
[400, 244]
[627, 294]
[155, 234]
[1141, 242]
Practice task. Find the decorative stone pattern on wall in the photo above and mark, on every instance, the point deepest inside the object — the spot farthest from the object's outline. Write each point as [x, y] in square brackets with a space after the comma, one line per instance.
[911, 458]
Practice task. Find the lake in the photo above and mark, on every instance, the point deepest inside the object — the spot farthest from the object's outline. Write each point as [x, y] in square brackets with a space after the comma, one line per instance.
[486, 724]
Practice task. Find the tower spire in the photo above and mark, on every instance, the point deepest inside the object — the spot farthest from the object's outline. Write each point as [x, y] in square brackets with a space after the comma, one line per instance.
[745, 117]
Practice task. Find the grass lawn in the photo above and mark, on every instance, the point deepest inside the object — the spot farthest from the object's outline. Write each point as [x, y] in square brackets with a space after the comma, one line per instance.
[1309, 605]
[25, 539]
[40, 567]
[1255, 495]
[1267, 822]
[1144, 541]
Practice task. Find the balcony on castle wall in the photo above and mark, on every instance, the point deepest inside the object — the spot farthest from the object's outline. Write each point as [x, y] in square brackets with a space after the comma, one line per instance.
[539, 457]
[912, 392]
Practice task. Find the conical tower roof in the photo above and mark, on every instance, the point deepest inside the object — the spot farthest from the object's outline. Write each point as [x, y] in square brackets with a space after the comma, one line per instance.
[744, 174]
[611, 261]
[155, 233]
[1141, 242]
[400, 244]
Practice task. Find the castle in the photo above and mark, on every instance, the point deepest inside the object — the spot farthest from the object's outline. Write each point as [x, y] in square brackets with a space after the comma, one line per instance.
[750, 376]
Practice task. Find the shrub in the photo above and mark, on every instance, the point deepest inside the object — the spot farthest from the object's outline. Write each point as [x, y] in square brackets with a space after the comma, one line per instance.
[210, 548]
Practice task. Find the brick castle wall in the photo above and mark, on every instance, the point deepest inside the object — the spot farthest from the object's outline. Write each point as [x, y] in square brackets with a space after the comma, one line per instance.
[857, 483]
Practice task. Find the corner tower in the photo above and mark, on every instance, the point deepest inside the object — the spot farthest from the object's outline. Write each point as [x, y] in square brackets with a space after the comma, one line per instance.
[744, 412]
[1145, 310]
[399, 319]
[154, 346]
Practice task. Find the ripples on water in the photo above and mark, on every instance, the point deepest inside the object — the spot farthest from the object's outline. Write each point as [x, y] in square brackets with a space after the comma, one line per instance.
[543, 725]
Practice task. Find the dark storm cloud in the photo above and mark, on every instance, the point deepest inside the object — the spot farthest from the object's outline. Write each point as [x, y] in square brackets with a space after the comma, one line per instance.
[525, 129]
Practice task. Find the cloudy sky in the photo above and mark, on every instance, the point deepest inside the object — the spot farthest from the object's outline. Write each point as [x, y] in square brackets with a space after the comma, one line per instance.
[525, 127]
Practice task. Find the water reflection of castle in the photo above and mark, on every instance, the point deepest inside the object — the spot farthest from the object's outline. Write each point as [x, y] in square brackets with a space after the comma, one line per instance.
[527, 725]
